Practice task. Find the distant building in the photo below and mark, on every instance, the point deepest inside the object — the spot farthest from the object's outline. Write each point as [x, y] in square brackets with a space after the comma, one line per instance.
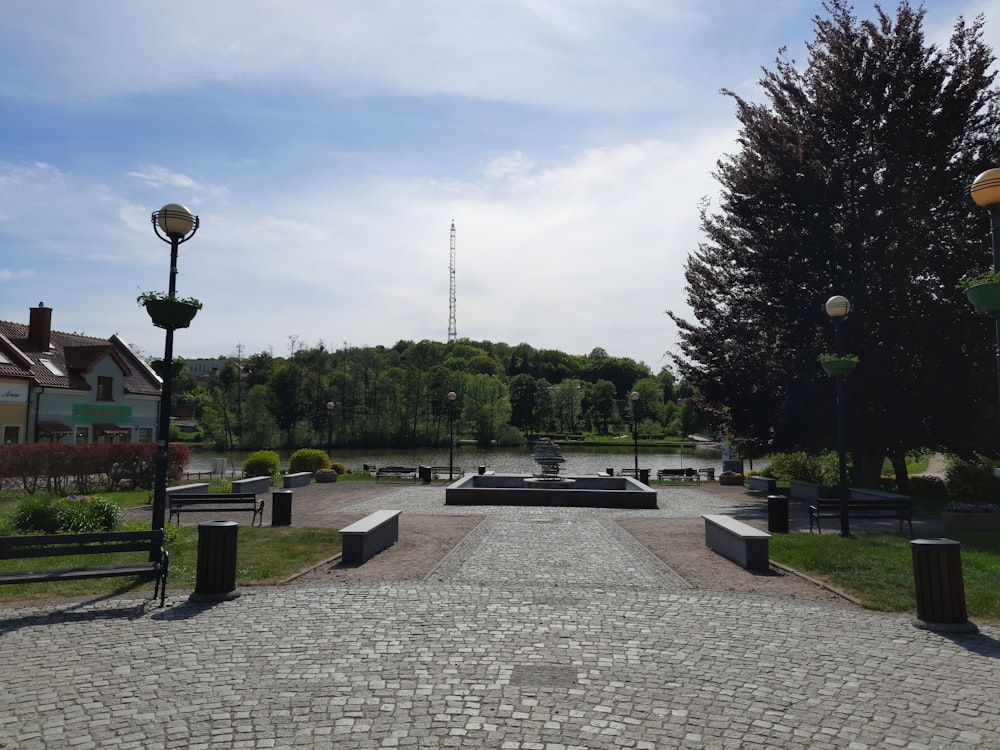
[202, 369]
[66, 387]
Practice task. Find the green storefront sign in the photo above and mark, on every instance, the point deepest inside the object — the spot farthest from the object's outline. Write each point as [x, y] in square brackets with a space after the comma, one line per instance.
[99, 413]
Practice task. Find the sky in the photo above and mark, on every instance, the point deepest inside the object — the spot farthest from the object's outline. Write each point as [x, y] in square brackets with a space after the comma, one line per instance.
[328, 145]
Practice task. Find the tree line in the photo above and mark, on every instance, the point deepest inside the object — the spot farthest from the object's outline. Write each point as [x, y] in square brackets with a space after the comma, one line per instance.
[361, 397]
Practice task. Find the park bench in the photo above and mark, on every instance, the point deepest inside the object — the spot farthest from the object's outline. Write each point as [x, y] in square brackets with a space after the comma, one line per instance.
[865, 503]
[396, 472]
[759, 483]
[220, 502]
[154, 565]
[364, 539]
[737, 541]
[678, 475]
[707, 474]
[442, 471]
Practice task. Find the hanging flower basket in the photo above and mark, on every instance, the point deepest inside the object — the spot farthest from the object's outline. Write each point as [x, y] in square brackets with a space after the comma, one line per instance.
[169, 312]
[838, 367]
[985, 297]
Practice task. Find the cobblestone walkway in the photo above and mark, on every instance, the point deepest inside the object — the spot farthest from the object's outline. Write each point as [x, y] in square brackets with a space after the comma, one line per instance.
[549, 630]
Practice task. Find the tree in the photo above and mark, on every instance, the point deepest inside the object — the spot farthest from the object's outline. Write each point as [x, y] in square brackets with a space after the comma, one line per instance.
[852, 180]
[486, 406]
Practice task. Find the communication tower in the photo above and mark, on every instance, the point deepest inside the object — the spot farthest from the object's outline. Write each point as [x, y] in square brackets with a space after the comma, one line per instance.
[452, 332]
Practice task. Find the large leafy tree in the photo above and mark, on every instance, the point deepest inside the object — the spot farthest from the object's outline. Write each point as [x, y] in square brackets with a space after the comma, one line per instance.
[852, 179]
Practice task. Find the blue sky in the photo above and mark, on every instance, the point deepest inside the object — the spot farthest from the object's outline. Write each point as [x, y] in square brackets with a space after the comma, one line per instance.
[328, 145]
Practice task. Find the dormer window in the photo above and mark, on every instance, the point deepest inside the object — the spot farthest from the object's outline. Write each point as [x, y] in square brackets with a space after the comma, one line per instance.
[51, 367]
[105, 388]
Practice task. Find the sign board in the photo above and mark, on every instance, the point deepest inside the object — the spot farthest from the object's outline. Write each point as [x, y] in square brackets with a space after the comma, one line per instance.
[101, 413]
[14, 392]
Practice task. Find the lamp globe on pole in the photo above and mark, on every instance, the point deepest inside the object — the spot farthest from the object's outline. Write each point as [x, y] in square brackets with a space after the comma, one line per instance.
[837, 309]
[634, 398]
[451, 433]
[174, 224]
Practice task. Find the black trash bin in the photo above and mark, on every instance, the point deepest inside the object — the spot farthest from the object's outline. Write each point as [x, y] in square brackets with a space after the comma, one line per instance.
[482, 470]
[215, 580]
[777, 514]
[643, 476]
[425, 474]
[281, 508]
[937, 576]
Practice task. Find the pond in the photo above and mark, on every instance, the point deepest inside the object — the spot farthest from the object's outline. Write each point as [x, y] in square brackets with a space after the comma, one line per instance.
[578, 460]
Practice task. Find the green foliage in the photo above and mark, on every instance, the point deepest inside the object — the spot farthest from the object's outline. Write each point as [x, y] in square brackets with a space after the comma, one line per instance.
[972, 480]
[262, 464]
[339, 468]
[76, 513]
[308, 459]
[801, 466]
[930, 487]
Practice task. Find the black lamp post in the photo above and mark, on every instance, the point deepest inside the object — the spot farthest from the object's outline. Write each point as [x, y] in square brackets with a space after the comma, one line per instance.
[451, 433]
[986, 194]
[837, 308]
[634, 397]
[330, 406]
[173, 224]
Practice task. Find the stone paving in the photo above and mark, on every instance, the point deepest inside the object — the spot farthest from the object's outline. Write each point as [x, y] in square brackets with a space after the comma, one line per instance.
[546, 629]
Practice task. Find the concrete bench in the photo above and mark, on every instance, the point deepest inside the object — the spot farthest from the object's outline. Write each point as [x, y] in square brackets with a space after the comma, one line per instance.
[298, 479]
[256, 485]
[758, 483]
[364, 539]
[740, 542]
[189, 489]
[809, 491]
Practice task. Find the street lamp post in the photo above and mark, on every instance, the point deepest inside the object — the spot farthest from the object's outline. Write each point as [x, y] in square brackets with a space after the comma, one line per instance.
[634, 397]
[330, 406]
[985, 193]
[173, 224]
[451, 433]
[837, 308]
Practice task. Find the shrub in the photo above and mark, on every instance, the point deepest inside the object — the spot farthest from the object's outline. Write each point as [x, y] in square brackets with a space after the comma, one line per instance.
[37, 515]
[77, 513]
[804, 467]
[339, 468]
[308, 459]
[262, 464]
[928, 487]
[973, 480]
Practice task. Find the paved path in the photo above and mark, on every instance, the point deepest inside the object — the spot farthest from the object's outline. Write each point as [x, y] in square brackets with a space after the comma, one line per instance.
[545, 628]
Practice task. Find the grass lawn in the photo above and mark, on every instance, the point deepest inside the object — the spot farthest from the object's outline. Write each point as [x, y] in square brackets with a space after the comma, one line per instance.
[878, 569]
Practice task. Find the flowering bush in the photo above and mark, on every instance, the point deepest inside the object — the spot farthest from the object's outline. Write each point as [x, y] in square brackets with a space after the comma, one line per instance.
[956, 507]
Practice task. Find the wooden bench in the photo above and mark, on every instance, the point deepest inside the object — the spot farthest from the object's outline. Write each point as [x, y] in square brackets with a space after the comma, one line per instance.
[740, 542]
[865, 504]
[155, 564]
[678, 475]
[221, 502]
[758, 483]
[364, 539]
[396, 472]
[442, 471]
[708, 474]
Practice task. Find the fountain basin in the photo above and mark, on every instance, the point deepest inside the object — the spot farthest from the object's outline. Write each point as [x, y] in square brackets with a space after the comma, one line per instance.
[586, 492]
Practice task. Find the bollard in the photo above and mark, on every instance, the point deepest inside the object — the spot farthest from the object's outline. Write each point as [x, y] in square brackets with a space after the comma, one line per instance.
[216, 576]
[937, 576]
[425, 474]
[281, 508]
[777, 514]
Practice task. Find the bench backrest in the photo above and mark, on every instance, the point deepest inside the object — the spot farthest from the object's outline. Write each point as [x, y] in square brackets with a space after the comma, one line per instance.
[220, 497]
[59, 545]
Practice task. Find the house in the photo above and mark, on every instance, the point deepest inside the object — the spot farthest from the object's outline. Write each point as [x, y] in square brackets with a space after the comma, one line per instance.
[67, 387]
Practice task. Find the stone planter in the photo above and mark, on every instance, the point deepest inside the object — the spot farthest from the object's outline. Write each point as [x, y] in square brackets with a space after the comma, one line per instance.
[971, 521]
[323, 477]
[984, 297]
[730, 479]
[170, 314]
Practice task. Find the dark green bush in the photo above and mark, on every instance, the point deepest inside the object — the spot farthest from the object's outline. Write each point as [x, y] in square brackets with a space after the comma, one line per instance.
[973, 481]
[339, 468]
[262, 464]
[77, 513]
[804, 467]
[37, 515]
[308, 459]
[928, 487]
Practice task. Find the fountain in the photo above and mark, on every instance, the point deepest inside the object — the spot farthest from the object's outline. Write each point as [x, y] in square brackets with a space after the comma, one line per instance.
[549, 488]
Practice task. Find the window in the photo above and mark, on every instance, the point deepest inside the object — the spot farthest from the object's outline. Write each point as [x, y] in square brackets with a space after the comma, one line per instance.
[11, 434]
[83, 434]
[105, 387]
[145, 434]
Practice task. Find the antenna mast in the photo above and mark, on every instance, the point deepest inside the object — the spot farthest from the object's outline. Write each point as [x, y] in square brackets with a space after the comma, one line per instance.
[452, 333]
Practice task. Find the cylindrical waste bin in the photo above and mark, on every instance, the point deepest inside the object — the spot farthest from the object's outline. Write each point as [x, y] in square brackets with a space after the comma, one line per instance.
[281, 508]
[610, 471]
[215, 580]
[644, 476]
[777, 514]
[482, 470]
[425, 474]
[937, 575]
